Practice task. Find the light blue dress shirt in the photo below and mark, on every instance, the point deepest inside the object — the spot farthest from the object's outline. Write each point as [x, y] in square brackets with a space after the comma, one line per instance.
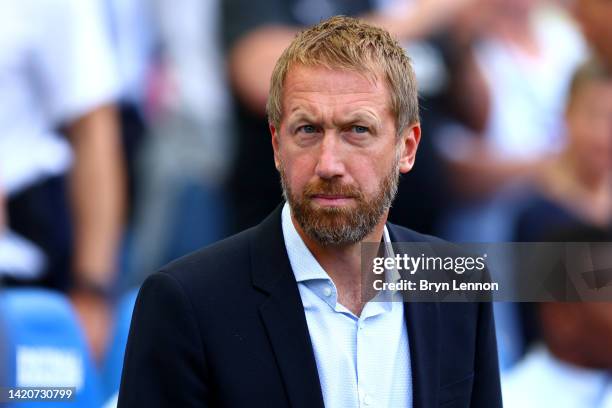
[362, 361]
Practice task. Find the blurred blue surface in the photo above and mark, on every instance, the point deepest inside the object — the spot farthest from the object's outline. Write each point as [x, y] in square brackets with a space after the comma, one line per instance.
[46, 347]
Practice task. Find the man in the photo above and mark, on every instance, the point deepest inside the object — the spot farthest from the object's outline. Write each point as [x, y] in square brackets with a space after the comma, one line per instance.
[274, 317]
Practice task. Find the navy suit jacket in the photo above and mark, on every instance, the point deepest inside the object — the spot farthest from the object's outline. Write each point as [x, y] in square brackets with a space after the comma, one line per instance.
[225, 327]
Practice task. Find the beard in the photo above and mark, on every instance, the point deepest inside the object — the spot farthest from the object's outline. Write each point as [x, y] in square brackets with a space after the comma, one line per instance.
[339, 226]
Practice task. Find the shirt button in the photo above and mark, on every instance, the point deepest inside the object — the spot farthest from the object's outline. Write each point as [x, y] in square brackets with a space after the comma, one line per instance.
[367, 400]
[327, 291]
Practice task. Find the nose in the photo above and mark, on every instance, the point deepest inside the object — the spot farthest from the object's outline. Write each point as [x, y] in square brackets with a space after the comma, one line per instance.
[330, 162]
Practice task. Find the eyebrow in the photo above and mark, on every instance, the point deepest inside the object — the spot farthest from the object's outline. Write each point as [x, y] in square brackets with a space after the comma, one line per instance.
[361, 117]
[301, 115]
[352, 118]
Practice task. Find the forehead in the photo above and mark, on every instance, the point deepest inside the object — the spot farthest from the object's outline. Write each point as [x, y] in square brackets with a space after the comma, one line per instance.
[345, 91]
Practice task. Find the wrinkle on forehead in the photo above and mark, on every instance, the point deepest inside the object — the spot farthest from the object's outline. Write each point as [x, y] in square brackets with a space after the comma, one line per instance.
[315, 91]
[310, 78]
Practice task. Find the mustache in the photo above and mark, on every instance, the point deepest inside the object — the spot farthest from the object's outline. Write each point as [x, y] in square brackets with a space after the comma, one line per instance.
[331, 187]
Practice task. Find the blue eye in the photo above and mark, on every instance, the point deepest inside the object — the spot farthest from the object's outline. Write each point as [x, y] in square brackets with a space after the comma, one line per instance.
[307, 129]
[360, 129]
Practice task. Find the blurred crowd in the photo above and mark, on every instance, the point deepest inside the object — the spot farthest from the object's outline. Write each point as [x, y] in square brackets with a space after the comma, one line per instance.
[134, 131]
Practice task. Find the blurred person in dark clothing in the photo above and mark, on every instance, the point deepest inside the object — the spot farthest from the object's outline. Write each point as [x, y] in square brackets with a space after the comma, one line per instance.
[64, 194]
[576, 188]
[255, 35]
[20, 259]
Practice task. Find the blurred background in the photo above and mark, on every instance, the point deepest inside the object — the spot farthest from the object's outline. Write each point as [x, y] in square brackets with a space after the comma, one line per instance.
[133, 132]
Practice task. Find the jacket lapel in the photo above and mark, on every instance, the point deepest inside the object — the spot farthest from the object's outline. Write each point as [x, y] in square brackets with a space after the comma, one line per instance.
[422, 324]
[283, 314]
[422, 321]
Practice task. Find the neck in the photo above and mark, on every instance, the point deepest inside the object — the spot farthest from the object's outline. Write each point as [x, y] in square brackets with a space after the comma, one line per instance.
[343, 263]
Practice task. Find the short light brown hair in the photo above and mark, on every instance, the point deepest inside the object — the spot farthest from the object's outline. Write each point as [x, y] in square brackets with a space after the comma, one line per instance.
[347, 43]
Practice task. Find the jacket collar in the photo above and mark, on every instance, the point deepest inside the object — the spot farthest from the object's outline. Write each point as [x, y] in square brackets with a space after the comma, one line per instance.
[422, 322]
[283, 314]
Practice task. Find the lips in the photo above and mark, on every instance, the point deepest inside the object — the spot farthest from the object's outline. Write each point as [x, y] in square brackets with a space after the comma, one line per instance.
[331, 196]
[331, 200]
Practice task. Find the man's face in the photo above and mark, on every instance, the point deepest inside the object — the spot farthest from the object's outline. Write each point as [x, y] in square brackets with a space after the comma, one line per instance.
[338, 152]
[595, 16]
[589, 121]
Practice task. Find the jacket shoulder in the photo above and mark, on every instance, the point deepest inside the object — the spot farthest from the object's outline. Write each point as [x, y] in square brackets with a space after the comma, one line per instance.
[218, 264]
[403, 234]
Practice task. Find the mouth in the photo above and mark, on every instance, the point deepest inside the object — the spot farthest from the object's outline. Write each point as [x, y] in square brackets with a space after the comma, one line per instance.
[332, 200]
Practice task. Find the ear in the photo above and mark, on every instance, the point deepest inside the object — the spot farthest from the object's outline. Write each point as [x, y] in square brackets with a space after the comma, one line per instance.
[275, 135]
[409, 142]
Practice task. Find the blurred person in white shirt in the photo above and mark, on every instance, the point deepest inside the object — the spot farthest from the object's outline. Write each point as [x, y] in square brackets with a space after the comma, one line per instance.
[65, 194]
[527, 75]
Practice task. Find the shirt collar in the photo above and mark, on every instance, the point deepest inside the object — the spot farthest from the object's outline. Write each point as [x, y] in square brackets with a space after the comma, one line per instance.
[305, 266]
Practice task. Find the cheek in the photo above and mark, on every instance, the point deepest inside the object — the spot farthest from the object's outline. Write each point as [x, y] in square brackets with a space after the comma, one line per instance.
[369, 173]
[299, 169]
